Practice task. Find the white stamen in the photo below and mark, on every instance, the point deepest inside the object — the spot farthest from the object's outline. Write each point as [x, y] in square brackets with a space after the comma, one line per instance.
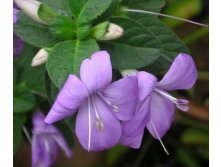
[98, 122]
[165, 94]
[155, 131]
[95, 107]
[164, 15]
[89, 125]
[27, 134]
[47, 146]
[115, 108]
[180, 103]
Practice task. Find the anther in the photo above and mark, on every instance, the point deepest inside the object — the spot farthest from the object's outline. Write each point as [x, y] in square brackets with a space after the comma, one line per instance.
[115, 108]
[182, 104]
[99, 124]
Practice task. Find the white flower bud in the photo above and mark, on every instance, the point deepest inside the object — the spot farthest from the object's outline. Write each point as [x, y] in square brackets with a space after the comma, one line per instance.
[128, 72]
[40, 58]
[30, 7]
[114, 31]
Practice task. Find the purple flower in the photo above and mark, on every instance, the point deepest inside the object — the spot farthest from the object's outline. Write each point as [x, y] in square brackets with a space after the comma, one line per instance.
[15, 19]
[17, 45]
[101, 104]
[45, 142]
[156, 107]
[17, 42]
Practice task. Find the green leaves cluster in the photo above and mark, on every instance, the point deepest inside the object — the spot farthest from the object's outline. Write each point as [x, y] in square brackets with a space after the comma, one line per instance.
[147, 43]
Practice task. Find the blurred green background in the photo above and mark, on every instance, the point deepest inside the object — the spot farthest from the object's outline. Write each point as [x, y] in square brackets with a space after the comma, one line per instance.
[188, 139]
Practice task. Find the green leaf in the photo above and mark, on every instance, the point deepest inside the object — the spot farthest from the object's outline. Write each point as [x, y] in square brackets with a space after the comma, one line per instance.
[62, 27]
[18, 120]
[116, 153]
[65, 58]
[46, 13]
[33, 33]
[187, 158]
[60, 6]
[83, 30]
[23, 100]
[195, 137]
[108, 13]
[184, 9]
[169, 43]
[51, 89]
[150, 5]
[32, 76]
[88, 9]
[137, 48]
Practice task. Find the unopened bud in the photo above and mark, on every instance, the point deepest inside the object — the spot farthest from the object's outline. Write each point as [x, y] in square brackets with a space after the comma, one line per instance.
[114, 31]
[40, 58]
[30, 7]
[128, 72]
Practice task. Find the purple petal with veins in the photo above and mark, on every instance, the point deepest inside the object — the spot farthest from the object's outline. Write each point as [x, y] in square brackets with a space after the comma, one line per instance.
[101, 107]
[45, 142]
[181, 75]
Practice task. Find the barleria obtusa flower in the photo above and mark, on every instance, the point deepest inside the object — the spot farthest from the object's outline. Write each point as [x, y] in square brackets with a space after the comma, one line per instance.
[17, 42]
[101, 105]
[46, 141]
[156, 107]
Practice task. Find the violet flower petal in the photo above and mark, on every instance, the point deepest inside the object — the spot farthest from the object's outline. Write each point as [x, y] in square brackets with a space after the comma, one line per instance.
[133, 142]
[137, 124]
[45, 142]
[181, 75]
[147, 83]
[96, 73]
[122, 95]
[44, 151]
[161, 114]
[100, 138]
[71, 96]
[17, 45]
[15, 19]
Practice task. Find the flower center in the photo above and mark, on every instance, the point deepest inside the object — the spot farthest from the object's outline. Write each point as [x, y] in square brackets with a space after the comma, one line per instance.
[99, 122]
[182, 104]
[114, 108]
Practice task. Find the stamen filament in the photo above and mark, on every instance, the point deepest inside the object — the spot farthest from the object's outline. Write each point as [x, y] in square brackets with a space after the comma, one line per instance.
[155, 131]
[166, 95]
[95, 107]
[164, 15]
[27, 134]
[115, 108]
[99, 123]
[180, 103]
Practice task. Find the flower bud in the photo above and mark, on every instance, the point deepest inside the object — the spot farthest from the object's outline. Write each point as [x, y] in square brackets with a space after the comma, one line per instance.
[114, 31]
[128, 72]
[40, 58]
[99, 30]
[30, 7]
